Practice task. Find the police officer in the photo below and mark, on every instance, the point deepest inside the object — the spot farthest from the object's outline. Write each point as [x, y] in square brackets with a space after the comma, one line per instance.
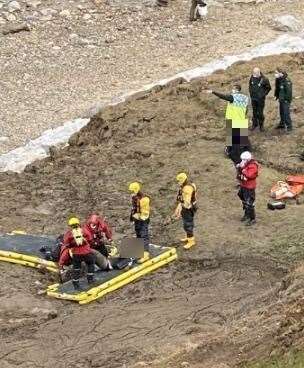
[259, 87]
[283, 93]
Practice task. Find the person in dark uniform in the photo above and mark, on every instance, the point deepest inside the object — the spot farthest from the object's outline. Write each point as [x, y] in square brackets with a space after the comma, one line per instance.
[259, 87]
[283, 93]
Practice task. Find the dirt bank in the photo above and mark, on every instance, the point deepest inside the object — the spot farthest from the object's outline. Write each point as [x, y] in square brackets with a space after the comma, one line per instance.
[214, 305]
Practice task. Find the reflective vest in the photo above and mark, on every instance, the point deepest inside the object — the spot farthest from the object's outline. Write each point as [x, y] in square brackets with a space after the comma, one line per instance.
[180, 195]
[236, 111]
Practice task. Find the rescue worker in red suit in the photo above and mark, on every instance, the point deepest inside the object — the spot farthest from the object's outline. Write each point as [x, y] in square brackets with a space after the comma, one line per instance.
[247, 174]
[77, 240]
[100, 231]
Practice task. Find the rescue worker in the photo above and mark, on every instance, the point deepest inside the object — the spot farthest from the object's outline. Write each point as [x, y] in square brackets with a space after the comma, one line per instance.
[186, 208]
[236, 122]
[77, 239]
[100, 231]
[283, 93]
[140, 215]
[259, 87]
[248, 171]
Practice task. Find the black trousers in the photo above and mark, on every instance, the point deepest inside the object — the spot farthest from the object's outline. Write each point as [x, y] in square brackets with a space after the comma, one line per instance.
[285, 115]
[142, 231]
[247, 196]
[89, 260]
[188, 221]
[258, 112]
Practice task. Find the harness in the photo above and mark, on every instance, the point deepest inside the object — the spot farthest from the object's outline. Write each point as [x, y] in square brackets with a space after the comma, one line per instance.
[78, 236]
[180, 198]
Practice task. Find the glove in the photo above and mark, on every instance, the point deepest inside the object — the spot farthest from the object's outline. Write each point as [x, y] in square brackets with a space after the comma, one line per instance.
[243, 177]
[136, 216]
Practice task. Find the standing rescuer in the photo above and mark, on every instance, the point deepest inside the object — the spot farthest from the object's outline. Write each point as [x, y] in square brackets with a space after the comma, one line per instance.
[259, 87]
[283, 93]
[77, 239]
[248, 171]
[140, 215]
[186, 207]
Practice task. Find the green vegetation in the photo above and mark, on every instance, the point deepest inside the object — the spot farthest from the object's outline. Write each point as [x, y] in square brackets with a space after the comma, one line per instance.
[292, 360]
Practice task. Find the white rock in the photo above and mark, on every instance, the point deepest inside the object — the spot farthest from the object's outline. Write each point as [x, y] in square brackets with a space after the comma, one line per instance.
[14, 6]
[9, 17]
[87, 17]
[4, 139]
[33, 4]
[287, 23]
[48, 11]
[65, 13]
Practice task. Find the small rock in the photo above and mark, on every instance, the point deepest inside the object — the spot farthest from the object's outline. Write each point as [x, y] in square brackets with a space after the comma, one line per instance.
[65, 13]
[47, 12]
[33, 4]
[14, 6]
[56, 48]
[185, 364]
[87, 17]
[3, 139]
[9, 17]
[287, 23]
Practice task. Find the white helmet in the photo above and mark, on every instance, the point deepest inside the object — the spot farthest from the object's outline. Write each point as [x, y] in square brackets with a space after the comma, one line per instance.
[246, 156]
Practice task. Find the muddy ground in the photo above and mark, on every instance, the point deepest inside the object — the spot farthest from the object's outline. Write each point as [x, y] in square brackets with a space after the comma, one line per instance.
[235, 297]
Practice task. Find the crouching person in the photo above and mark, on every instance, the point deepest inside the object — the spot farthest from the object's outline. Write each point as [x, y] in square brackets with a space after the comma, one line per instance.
[77, 240]
[100, 233]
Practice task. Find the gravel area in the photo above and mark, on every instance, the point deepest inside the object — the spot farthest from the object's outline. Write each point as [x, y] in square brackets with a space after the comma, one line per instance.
[79, 53]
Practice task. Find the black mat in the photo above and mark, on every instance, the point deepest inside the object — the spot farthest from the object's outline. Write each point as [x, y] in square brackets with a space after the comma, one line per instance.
[26, 244]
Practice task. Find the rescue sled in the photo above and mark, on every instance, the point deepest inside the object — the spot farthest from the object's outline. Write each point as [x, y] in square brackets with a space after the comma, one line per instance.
[108, 281]
[26, 250]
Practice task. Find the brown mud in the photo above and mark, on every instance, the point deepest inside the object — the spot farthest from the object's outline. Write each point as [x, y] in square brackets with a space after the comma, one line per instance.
[228, 300]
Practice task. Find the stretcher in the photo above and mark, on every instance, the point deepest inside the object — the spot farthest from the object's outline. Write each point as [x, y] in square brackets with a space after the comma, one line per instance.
[24, 250]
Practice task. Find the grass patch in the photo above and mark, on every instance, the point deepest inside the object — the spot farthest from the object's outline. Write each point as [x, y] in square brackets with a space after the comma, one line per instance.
[292, 360]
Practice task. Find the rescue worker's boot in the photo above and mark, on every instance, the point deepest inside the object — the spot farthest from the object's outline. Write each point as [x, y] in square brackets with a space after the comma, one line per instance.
[145, 257]
[190, 243]
[185, 239]
[90, 278]
[244, 218]
[76, 284]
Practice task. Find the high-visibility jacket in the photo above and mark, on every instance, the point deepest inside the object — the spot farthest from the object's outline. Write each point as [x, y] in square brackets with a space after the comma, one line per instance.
[236, 111]
[140, 207]
[186, 196]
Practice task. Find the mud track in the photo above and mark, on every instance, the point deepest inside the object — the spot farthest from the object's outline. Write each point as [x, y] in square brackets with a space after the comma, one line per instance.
[221, 302]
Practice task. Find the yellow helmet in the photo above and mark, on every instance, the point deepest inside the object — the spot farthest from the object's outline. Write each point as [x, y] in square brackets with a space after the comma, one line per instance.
[73, 221]
[134, 187]
[181, 178]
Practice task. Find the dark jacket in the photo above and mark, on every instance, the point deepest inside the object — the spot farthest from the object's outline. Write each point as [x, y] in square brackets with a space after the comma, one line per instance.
[283, 89]
[259, 87]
